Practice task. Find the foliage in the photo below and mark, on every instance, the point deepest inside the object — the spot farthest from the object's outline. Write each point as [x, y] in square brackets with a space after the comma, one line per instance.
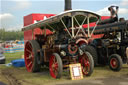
[10, 35]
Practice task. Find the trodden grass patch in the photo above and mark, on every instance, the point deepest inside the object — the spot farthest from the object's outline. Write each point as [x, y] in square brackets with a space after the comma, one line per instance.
[43, 77]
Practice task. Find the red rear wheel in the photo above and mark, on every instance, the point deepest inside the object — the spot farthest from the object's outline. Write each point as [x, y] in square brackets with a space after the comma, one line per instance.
[87, 63]
[55, 66]
[31, 55]
[28, 56]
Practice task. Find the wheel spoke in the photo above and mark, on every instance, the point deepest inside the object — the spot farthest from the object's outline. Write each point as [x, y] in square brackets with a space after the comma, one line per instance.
[27, 58]
[28, 51]
[85, 64]
[54, 60]
[55, 72]
[56, 65]
[29, 46]
[30, 63]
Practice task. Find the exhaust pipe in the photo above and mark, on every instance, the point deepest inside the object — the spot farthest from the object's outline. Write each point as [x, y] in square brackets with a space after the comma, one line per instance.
[68, 5]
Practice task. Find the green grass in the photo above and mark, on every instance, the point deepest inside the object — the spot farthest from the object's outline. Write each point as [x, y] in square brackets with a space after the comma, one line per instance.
[21, 73]
[13, 56]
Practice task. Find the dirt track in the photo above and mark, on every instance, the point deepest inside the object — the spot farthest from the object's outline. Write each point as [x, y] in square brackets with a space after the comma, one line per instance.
[12, 76]
[123, 80]
[9, 77]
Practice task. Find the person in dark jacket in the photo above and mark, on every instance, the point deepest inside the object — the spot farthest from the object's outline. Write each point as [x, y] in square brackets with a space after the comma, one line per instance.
[113, 17]
[114, 12]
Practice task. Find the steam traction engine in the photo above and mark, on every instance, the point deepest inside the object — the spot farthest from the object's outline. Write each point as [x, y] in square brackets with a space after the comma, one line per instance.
[112, 47]
[59, 41]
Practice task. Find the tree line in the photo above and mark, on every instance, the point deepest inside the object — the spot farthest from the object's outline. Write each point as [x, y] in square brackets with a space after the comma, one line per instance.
[10, 35]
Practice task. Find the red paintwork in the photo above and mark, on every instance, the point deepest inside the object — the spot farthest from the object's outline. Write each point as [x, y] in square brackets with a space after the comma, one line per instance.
[85, 64]
[30, 19]
[53, 66]
[113, 62]
[105, 17]
[29, 57]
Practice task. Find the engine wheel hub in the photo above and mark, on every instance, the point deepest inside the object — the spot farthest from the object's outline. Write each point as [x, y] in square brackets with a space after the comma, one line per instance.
[72, 48]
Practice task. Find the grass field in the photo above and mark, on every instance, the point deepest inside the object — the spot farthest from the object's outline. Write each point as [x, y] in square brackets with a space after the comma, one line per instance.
[12, 56]
[20, 75]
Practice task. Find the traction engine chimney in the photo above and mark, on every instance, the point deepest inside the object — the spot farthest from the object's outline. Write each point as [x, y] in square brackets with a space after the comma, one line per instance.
[68, 5]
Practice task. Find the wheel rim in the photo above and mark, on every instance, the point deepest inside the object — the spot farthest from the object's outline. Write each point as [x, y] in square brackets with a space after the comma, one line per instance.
[127, 52]
[29, 57]
[85, 64]
[53, 66]
[113, 62]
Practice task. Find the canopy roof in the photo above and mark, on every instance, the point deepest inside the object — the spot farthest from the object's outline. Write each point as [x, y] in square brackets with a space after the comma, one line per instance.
[54, 23]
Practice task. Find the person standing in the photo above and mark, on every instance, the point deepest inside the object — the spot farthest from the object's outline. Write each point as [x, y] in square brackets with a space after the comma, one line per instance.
[114, 12]
[113, 15]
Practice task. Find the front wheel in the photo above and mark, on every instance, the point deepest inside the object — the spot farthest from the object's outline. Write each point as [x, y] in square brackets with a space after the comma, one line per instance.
[93, 52]
[115, 62]
[55, 66]
[87, 63]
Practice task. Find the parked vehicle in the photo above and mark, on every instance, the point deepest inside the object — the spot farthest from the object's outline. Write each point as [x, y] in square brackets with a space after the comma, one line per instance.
[112, 46]
[2, 57]
[59, 40]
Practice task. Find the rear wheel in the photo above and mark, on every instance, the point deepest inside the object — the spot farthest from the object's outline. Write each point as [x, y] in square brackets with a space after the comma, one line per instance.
[55, 66]
[87, 63]
[115, 62]
[31, 56]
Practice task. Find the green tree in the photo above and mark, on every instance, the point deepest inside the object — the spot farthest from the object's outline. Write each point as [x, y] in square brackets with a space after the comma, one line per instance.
[10, 35]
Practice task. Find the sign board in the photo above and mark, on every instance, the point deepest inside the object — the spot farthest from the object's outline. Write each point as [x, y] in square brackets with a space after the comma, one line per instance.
[76, 71]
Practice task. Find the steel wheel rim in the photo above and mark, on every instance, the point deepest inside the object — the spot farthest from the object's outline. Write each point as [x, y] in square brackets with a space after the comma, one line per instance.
[85, 65]
[29, 57]
[127, 52]
[53, 66]
[113, 62]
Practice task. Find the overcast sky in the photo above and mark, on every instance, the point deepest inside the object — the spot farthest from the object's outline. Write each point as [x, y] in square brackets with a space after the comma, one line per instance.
[13, 11]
